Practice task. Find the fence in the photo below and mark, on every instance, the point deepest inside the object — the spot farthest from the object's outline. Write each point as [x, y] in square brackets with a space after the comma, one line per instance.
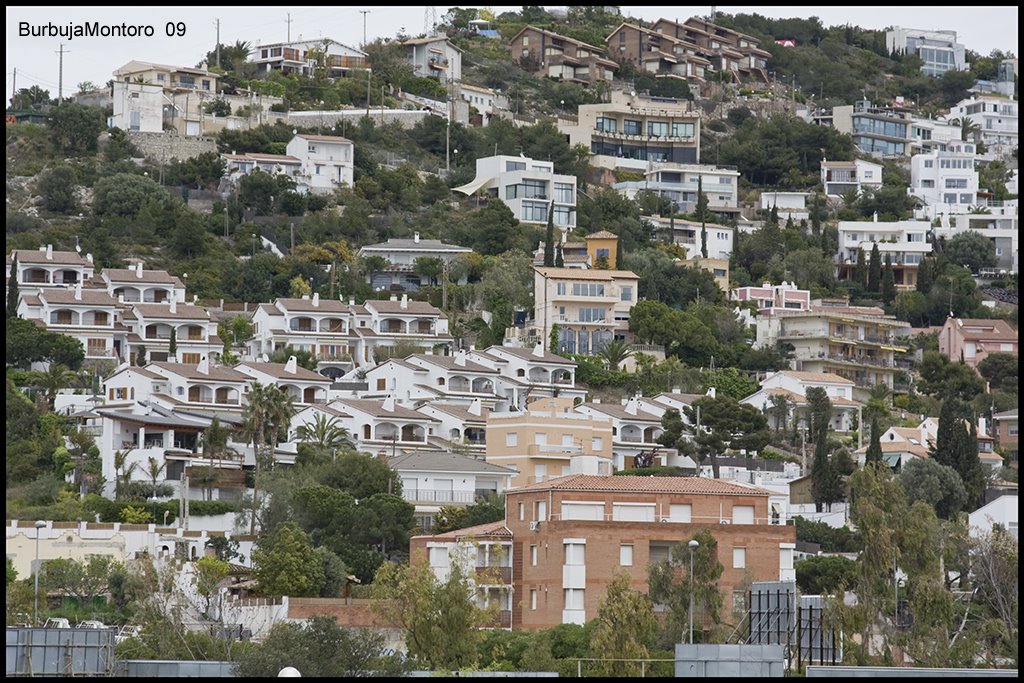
[60, 652]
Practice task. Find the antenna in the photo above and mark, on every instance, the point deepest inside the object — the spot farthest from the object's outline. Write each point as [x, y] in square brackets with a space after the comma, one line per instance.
[429, 19]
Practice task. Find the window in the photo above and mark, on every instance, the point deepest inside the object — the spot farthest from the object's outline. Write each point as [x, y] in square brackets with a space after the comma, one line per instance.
[739, 558]
[869, 174]
[583, 511]
[626, 555]
[682, 130]
[562, 215]
[742, 514]
[591, 315]
[540, 510]
[633, 513]
[587, 289]
[626, 293]
[606, 124]
[630, 127]
[382, 384]
[533, 555]
[526, 40]
[522, 511]
[928, 163]
[680, 513]
[512, 439]
[206, 84]
[966, 198]
[574, 598]
[560, 289]
[540, 438]
[537, 213]
[956, 183]
[949, 198]
[575, 554]
[515, 166]
[533, 598]
[657, 129]
[564, 193]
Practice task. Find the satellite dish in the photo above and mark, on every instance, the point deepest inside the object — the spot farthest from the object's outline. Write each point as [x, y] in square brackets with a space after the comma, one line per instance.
[265, 358]
[295, 131]
[632, 93]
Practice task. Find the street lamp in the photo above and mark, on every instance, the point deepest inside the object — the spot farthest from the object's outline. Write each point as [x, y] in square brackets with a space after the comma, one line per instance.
[39, 527]
[693, 544]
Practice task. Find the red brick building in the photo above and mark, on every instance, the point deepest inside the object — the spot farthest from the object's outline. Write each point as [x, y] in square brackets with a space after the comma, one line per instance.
[562, 540]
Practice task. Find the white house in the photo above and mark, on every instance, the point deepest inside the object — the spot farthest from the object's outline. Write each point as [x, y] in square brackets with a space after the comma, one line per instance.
[85, 315]
[634, 429]
[150, 327]
[937, 49]
[905, 242]
[46, 268]
[377, 426]
[435, 57]
[1001, 511]
[327, 162]
[136, 285]
[238, 165]
[302, 385]
[484, 100]
[138, 107]
[839, 177]
[426, 377]
[463, 426]
[687, 234]
[529, 188]
[401, 255]
[431, 479]
[679, 182]
[304, 56]
[793, 386]
[319, 326]
[945, 180]
[996, 118]
[529, 373]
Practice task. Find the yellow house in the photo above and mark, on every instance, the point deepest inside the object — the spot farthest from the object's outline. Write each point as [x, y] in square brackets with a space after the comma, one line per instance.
[603, 244]
[549, 440]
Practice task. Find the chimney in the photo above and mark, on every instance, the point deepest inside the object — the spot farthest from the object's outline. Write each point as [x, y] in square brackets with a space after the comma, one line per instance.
[351, 301]
[305, 297]
[460, 357]
[982, 431]
[49, 252]
[78, 291]
[711, 392]
[405, 301]
[475, 408]
[416, 238]
[676, 389]
[138, 270]
[174, 305]
[316, 299]
[389, 404]
[632, 405]
[394, 297]
[538, 350]
[120, 298]
[291, 366]
[204, 365]
[874, 217]
[88, 257]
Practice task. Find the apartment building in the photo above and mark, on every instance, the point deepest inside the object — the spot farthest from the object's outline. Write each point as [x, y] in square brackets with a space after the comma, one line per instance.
[882, 131]
[88, 316]
[301, 385]
[548, 440]
[840, 177]
[402, 254]
[996, 118]
[421, 378]
[525, 374]
[937, 49]
[46, 268]
[788, 205]
[149, 97]
[569, 536]
[435, 57]
[972, 340]
[771, 299]
[655, 52]
[946, 181]
[857, 343]
[590, 307]
[727, 49]
[304, 57]
[326, 162]
[682, 184]
[687, 234]
[529, 187]
[634, 130]
[904, 242]
[929, 134]
[548, 54]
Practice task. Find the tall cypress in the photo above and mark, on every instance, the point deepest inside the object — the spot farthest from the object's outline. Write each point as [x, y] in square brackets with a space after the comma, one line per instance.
[956, 445]
[12, 290]
[549, 244]
[874, 453]
[874, 270]
[702, 215]
[888, 282]
[559, 259]
[925, 276]
[860, 271]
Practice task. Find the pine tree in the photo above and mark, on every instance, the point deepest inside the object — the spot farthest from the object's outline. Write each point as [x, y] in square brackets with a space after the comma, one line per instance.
[12, 290]
[559, 259]
[826, 482]
[874, 453]
[874, 270]
[774, 215]
[549, 244]
[888, 282]
[860, 271]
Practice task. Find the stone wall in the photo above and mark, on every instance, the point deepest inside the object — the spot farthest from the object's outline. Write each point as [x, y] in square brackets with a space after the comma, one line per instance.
[162, 147]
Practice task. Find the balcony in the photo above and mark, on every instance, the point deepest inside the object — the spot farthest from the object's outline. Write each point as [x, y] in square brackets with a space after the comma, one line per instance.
[854, 360]
[440, 496]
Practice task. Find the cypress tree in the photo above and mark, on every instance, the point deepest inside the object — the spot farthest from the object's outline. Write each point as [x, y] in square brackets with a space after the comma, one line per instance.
[874, 453]
[702, 215]
[860, 271]
[826, 482]
[12, 290]
[874, 270]
[549, 243]
[956, 445]
[559, 259]
[925, 276]
[888, 282]
[172, 347]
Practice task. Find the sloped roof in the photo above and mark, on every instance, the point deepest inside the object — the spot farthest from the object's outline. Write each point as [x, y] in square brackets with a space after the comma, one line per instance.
[442, 461]
[645, 484]
[376, 409]
[448, 362]
[126, 275]
[527, 354]
[489, 529]
[89, 297]
[216, 374]
[182, 311]
[60, 258]
[277, 371]
[619, 412]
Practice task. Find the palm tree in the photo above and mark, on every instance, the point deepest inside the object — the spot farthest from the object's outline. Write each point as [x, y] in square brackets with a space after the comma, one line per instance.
[55, 378]
[205, 477]
[325, 433]
[613, 353]
[778, 407]
[154, 469]
[122, 473]
[268, 408]
[968, 129]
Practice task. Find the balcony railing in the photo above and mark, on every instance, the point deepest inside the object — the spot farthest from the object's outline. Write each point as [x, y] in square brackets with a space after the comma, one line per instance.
[438, 496]
[856, 360]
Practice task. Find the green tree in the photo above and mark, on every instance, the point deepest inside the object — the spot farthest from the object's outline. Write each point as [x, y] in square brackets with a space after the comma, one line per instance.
[124, 194]
[825, 574]
[27, 344]
[956, 445]
[12, 290]
[874, 452]
[483, 511]
[284, 563]
[559, 257]
[826, 482]
[888, 287]
[1000, 370]
[614, 353]
[210, 571]
[53, 379]
[925, 275]
[269, 407]
[31, 98]
[217, 107]
[860, 269]
[549, 237]
[669, 584]
[625, 626]
[325, 433]
[320, 648]
[712, 426]
[940, 378]
[76, 127]
[936, 484]
[874, 270]
[82, 580]
[440, 620]
[971, 249]
[57, 188]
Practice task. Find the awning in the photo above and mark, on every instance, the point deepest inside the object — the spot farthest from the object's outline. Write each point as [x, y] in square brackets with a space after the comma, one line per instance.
[891, 459]
[471, 188]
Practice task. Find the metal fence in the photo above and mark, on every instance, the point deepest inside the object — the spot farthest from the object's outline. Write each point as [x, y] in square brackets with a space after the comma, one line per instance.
[60, 652]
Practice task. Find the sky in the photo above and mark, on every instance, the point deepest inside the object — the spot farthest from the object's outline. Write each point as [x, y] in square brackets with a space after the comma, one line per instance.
[36, 59]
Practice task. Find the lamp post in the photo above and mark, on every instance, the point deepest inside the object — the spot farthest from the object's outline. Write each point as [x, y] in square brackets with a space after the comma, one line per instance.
[693, 544]
[39, 527]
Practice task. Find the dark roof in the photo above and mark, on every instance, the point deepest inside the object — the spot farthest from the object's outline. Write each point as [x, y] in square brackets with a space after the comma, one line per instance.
[527, 354]
[442, 461]
[89, 297]
[60, 258]
[216, 374]
[412, 307]
[449, 363]
[306, 306]
[125, 275]
[376, 409]
[182, 311]
[277, 371]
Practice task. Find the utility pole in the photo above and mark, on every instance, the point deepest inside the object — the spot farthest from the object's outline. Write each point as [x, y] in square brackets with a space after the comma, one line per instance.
[289, 22]
[369, 73]
[60, 74]
[364, 12]
[217, 22]
[14, 85]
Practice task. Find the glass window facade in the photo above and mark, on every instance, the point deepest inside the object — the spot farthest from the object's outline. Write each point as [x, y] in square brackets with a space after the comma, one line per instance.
[631, 127]
[683, 130]
[564, 193]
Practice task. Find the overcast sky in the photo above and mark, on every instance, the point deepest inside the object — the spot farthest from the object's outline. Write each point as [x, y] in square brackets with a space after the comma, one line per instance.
[981, 29]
